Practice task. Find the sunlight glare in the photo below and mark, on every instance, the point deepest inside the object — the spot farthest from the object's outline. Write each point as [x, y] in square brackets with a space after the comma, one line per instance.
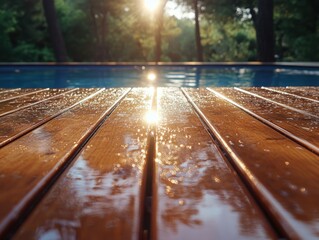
[151, 91]
[151, 76]
[151, 5]
[151, 117]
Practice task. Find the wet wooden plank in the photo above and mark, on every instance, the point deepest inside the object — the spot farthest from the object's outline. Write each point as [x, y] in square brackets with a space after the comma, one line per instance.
[10, 106]
[5, 90]
[101, 190]
[304, 105]
[10, 95]
[297, 125]
[19, 123]
[196, 193]
[31, 162]
[311, 94]
[282, 174]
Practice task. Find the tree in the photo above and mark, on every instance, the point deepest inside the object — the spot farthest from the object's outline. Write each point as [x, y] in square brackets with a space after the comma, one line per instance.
[297, 30]
[196, 5]
[261, 15]
[223, 30]
[54, 30]
[199, 46]
[99, 11]
[180, 41]
[265, 31]
[8, 25]
[159, 18]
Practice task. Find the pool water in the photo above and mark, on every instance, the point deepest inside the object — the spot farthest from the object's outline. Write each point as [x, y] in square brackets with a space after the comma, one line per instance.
[51, 76]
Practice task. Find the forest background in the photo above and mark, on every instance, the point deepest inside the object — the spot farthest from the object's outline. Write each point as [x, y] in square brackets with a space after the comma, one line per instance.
[169, 31]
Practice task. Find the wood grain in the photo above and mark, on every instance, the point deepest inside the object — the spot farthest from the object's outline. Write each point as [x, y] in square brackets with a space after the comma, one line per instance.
[19, 123]
[5, 90]
[303, 128]
[10, 95]
[31, 162]
[85, 163]
[281, 173]
[196, 193]
[305, 105]
[10, 106]
[99, 196]
[311, 94]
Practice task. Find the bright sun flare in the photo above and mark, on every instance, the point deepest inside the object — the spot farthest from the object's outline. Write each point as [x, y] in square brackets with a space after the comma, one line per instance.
[151, 76]
[151, 117]
[151, 5]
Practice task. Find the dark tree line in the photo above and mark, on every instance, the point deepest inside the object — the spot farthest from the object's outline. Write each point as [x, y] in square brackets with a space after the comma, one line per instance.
[222, 30]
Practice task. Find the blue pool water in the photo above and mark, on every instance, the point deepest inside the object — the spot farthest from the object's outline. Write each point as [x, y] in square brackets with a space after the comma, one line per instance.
[51, 76]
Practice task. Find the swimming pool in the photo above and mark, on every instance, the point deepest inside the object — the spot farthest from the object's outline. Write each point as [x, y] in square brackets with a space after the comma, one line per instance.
[209, 75]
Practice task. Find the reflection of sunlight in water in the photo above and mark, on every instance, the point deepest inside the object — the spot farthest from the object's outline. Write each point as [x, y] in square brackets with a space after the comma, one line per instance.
[151, 76]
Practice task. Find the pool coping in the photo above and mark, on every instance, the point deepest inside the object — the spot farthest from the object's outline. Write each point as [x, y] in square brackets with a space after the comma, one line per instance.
[168, 64]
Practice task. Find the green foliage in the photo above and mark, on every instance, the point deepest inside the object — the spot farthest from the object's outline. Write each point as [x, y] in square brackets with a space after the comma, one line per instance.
[75, 25]
[233, 41]
[122, 30]
[297, 29]
[8, 24]
[28, 52]
[181, 46]
[24, 37]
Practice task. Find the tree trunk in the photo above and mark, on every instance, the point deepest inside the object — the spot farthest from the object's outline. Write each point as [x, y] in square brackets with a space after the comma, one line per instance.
[94, 25]
[265, 31]
[99, 11]
[158, 37]
[199, 47]
[54, 31]
[158, 30]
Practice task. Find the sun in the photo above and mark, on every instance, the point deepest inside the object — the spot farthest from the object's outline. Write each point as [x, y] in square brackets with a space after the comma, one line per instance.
[151, 5]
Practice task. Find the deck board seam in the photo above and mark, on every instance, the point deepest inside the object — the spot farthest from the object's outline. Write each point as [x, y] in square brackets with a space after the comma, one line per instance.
[290, 94]
[148, 177]
[277, 103]
[311, 147]
[246, 176]
[44, 121]
[35, 103]
[23, 95]
[20, 212]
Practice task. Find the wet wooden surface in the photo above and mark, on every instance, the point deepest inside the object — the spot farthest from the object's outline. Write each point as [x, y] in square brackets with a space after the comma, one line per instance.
[17, 104]
[294, 121]
[11, 94]
[18, 123]
[103, 183]
[193, 178]
[166, 163]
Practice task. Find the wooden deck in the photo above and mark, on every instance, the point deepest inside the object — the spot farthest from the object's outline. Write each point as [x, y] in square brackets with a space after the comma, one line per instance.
[165, 163]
